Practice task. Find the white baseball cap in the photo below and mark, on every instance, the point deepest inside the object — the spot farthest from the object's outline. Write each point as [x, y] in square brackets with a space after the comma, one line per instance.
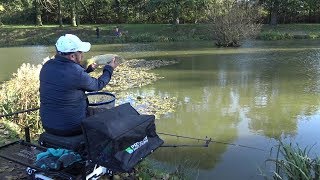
[71, 43]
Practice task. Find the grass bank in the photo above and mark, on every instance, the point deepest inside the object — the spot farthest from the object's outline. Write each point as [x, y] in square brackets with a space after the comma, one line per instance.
[290, 31]
[17, 35]
[47, 35]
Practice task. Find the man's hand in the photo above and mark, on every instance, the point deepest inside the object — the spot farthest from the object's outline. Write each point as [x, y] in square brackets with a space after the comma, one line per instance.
[93, 66]
[113, 63]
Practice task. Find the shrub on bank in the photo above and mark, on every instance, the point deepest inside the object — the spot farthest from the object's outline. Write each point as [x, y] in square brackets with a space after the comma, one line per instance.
[21, 92]
[233, 22]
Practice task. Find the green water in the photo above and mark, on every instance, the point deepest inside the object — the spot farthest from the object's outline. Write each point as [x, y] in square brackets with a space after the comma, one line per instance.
[249, 96]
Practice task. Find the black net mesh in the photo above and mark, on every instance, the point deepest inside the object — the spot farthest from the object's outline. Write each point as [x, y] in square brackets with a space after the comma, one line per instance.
[101, 100]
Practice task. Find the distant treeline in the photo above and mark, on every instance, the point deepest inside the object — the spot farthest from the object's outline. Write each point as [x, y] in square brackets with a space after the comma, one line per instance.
[74, 12]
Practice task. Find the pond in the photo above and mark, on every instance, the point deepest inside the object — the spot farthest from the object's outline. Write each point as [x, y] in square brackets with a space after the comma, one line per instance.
[246, 99]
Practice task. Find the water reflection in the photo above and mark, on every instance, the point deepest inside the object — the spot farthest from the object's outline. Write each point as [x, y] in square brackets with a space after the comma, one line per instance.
[252, 98]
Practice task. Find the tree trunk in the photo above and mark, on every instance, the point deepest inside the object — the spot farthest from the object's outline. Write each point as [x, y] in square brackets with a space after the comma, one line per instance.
[176, 13]
[177, 20]
[38, 20]
[73, 15]
[310, 16]
[60, 14]
[95, 12]
[274, 12]
[77, 13]
[274, 18]
[38, 13]
[117, 10]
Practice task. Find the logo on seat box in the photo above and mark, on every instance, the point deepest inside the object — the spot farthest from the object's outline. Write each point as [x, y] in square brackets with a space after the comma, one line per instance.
[137, 145]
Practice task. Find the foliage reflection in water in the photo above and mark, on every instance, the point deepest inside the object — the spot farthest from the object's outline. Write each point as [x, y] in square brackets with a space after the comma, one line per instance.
[253, 96]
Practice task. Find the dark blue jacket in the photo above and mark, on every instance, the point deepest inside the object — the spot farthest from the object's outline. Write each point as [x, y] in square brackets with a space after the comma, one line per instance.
[62, 92]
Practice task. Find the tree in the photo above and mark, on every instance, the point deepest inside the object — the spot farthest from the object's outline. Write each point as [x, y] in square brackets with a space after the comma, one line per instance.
[176, 11]
[290, 10]
[117, 10]
[196, 10]
[311, 7]
[37, 4]
[73, 13]
[37, 9]
[234, 22]
[285, 8]
[59, 11]
[273, 7]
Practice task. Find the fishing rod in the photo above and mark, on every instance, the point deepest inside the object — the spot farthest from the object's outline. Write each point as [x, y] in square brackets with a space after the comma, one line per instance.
[207, 142]
[19, 112]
